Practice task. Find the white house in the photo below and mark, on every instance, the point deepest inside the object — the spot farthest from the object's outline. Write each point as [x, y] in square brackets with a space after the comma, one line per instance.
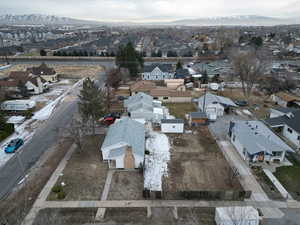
[289, 125]
[143, 106]
[214, 106]
[246, 215]
[124, 144]
[254, 141]
[172, 126]
[285, 99]
[158, 72]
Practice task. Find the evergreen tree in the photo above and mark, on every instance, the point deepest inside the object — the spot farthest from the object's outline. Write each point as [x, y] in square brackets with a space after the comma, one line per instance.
[127, 57]
[43, 52]
[91, 103]
[178, 65]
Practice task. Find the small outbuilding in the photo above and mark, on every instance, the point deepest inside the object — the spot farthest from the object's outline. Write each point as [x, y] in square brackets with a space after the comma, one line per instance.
[246, 215]
[172, 126]
[198, 118]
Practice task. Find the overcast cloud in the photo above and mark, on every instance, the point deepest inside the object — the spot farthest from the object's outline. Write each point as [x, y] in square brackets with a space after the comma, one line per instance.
[149, 9]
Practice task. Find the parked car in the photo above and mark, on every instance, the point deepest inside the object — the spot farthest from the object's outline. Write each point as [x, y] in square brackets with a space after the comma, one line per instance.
[14, 145]
[241, 103]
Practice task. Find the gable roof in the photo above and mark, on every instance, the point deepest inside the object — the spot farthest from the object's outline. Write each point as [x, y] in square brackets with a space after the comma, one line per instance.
[172, 121]
[198, 115]
[256, 137]
[139, 97]
[43, 69]
[181, 73]
[166, 92]
[143, 85]
[291, 119]
[213, 99]
[285, 109]
[287, 97]
[163, 67]
[126, 132]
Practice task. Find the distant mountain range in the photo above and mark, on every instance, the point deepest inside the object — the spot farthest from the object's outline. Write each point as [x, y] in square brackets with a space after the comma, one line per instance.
[37, 19]
[244, 20]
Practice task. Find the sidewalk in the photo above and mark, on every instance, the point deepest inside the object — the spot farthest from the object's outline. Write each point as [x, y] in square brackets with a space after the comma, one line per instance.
[41, 200]
[278, 185]
[247, 179]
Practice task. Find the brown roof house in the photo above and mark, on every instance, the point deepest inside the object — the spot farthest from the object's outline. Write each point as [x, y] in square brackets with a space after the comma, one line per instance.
[142, 86]
[18, 79]
[169, 95]
[285, 99]
[47, 73]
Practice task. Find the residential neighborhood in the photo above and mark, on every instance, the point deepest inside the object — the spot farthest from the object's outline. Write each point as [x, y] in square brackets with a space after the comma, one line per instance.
[149, 115]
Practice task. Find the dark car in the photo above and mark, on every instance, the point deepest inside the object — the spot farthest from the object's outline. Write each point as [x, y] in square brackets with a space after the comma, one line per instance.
[241, 103]
[14, 145]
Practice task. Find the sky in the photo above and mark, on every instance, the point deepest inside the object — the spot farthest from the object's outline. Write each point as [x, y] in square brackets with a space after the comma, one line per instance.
[150, 10]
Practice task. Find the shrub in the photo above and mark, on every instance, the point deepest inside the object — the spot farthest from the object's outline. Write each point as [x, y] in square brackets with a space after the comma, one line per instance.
[61, 195]
[57, 189]
[6, 130]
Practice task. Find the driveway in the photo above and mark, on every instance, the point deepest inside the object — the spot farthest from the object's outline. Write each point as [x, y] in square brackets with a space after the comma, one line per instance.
[220, 130]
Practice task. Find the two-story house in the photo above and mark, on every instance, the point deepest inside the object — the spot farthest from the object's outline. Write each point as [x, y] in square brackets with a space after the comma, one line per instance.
[158, 72]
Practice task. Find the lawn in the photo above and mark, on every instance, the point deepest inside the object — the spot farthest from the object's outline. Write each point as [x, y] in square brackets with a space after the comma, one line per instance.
[289, 176]
[179, 110]
[85, 174]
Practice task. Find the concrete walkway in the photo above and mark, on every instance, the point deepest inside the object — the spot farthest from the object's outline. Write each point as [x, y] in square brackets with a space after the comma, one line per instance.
[101, 211]
[40, 201]
[167, 203]
[247, 179]
[278, 185]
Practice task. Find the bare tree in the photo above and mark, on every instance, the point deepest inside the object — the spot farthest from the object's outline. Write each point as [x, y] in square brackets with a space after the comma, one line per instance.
[249, 68]
[76, 130]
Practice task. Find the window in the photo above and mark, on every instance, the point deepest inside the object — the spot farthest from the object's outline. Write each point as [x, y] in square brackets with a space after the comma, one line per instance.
[155, 98]
[173, 126]
[290, 130]
[233, 138]
[165, 97]
[277, 154]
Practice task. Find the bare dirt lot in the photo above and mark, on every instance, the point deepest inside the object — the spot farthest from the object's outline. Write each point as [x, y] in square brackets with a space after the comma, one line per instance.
[198, 166]
[128, 216]
[64, 71]
[126, 185]
[85, 173]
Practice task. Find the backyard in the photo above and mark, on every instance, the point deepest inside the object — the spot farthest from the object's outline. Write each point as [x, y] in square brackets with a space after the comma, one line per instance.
[197, 164]
[121, 216]
[179, 110]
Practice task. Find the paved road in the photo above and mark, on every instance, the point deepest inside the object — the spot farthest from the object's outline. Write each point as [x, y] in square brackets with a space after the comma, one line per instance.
[45, 137]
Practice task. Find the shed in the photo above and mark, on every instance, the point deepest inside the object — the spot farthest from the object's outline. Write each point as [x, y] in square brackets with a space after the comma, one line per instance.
[197, 118]
[172, 126]
[236, 215]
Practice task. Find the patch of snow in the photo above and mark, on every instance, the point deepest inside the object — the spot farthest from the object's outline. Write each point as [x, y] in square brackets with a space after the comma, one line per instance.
[156, 163]
[46, 112]
[16, 119]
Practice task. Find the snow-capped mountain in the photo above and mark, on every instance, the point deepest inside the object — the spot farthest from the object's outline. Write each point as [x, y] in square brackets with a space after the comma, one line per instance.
[243, 20]
[37, 19]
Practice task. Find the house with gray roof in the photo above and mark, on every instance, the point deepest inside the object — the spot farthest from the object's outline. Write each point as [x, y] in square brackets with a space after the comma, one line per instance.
[158, 72]
[281, 111]
[288, 125]
[214, 106]
[124, 144]
[143, 106]
[254, 141]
